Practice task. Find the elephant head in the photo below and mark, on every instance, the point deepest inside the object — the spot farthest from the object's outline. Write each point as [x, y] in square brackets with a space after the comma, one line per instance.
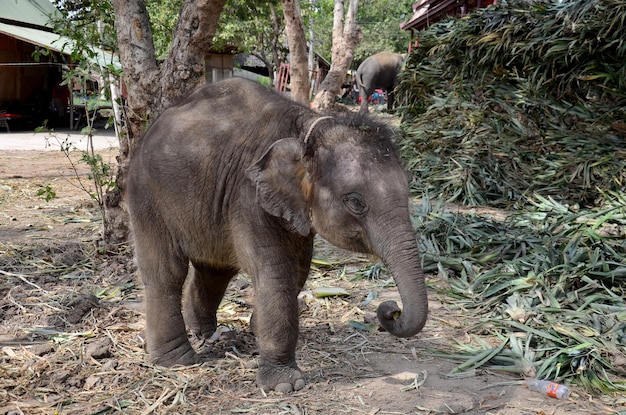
[344, 181]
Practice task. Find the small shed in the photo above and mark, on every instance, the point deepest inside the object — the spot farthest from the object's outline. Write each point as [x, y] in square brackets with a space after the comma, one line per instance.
[251, 67]
[219, 64]
[317, 73]
[26, 83]
[29, 81]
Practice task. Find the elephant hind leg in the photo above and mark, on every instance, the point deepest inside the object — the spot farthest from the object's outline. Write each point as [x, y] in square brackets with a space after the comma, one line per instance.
[167, 340]
[203, 293]
[364, 103]
[163, 273]
[391, 98]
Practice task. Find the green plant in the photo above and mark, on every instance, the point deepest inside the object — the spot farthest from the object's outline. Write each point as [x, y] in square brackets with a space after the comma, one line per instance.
[374, 272]
[88, 36]
[553, 276]
[520, 98]
[101, 174]
[47, 193]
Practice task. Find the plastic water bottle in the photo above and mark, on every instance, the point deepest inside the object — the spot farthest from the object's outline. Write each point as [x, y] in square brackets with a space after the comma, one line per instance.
[554, 390]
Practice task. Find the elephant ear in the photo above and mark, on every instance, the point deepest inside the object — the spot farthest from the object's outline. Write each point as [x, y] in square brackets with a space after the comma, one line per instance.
[282, 184]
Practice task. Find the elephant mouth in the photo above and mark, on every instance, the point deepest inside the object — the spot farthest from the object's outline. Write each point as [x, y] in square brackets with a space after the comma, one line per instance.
[358, 243]
[353, 241]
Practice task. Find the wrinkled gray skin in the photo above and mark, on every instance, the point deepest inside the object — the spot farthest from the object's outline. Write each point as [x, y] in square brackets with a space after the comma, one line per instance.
[378, 71]
[226, 181]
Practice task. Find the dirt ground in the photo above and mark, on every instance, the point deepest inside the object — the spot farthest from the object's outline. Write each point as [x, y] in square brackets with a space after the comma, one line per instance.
[71, 333]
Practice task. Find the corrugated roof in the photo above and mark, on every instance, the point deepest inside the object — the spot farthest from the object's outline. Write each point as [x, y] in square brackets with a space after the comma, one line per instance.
[427, 12]
[31, 12]
[54, 42]
[37, 37]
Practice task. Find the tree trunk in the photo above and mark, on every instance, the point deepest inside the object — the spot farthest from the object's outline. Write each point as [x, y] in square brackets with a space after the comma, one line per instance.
[150, 88]
[299, 70]
[277, 31]
[140, 68]
[269, 65]
[346, 37]
[183, 70]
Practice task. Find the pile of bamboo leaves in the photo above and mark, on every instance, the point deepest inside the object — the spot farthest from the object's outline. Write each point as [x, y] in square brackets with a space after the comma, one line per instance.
[519, 98]
[549, 282]
[525, 102]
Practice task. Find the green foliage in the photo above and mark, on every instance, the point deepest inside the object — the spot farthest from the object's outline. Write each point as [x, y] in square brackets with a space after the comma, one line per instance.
[526, 101]
[88, 23]
[250, 27]
[321, 16]
[163, 17]
[255, 27]
[379, 21]
[47, 193]
[89, 26]
[519, 98]
[266, 82]
[373, 272]
[553, 274]
[101, 174]
[247, 26]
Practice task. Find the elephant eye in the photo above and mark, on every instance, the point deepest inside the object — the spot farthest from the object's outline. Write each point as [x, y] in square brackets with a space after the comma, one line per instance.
[355, 203]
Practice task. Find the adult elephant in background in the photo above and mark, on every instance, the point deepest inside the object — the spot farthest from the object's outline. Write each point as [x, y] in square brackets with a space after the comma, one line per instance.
[378, 71]
[238, 178]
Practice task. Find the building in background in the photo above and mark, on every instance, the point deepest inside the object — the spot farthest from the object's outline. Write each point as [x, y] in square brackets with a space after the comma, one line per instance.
[427, 12]
[30, 90]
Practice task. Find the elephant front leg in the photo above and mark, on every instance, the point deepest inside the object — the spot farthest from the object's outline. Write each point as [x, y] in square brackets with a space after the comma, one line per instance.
[276, 319]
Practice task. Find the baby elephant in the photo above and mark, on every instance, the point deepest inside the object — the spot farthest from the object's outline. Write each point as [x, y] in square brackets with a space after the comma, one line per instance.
[238, 178]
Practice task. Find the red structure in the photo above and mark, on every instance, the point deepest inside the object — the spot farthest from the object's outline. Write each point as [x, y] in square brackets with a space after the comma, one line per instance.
[316, 76]
[427, 12]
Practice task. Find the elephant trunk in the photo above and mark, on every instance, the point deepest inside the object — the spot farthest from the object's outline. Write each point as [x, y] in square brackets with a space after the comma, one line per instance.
[400, 254]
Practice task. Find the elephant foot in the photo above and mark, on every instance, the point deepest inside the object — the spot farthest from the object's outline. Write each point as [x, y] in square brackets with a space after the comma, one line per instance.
[280, 378]
[183, 355]
[200, 329]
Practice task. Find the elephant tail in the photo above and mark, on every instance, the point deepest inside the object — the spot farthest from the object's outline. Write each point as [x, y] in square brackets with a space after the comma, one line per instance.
[358, 78]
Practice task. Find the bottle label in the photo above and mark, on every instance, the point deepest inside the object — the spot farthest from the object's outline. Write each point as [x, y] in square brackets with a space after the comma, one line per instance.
[551, 389]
